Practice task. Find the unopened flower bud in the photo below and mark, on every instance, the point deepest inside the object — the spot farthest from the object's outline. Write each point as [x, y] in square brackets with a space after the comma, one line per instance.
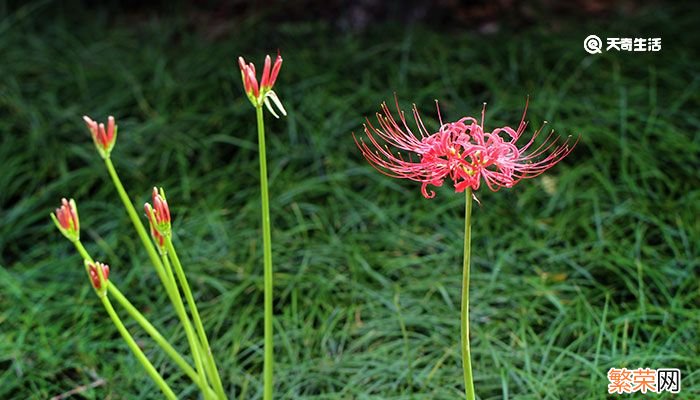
[158, 217]
[104, 137]
[66, 220]
[262, 93]
[94, 274]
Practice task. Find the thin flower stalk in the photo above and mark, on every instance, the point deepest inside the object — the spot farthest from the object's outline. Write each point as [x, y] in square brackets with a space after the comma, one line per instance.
[104, 143]
[150, 369]
[166, 278]
[267, 261]
[161, 341]
[141, 230]
[160, 223]
[98, 276]
[68, 223]
[210, 364]
[464, 309]
[195, 347]
[259, 95]
[149, 328]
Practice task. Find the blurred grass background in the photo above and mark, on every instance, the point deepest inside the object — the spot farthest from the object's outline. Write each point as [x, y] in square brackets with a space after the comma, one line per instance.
[592, 266]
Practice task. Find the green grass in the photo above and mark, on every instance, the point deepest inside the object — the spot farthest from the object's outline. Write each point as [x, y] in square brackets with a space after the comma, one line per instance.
[593, 266]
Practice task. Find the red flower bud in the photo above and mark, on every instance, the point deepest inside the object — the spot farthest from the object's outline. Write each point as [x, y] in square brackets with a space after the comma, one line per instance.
[104, 138]
[158, 217]
[150, 214]
[263, 93]
[93, 272]
[161, 207]
[66, 219]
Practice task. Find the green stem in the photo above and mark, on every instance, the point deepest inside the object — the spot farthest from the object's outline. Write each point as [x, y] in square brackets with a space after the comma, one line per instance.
[81, 249]
[159, 339]
[210, 365]
[166, 277]
[267, 258]
[191, 338]
[141, 230]
[466, 355]
[150, 329]
[150, 369]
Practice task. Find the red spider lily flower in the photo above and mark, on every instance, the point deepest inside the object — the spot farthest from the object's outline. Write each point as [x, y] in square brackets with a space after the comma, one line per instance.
[104, 138]
[158, 217]
[263, 93]
[94, 274]
[461, 151]
[66, 220]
